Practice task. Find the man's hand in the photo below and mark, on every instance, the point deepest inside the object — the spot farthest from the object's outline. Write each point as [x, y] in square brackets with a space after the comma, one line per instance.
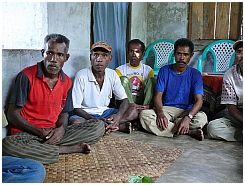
[108, 128]
[113, 120]
[184, 126]
[140, 107]
[55, 135]
[162, 121]
[44, 132]
[112, 123]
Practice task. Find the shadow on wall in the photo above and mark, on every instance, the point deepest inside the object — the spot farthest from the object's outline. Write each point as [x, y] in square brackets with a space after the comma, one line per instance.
[13, 61]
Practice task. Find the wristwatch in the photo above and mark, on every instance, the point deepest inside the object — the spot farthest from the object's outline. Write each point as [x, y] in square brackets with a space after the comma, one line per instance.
[190, 116]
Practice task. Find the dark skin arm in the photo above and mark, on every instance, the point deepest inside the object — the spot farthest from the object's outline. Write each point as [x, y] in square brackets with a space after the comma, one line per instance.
[57, 133]
[235, 113]
[185, 121]
[112, 122]
[161, 121]
[140, 107]
[51, 135]
[16, 119]
[82, 113]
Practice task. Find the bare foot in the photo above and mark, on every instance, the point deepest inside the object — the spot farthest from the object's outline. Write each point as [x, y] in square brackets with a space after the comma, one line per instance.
[136, 125]
[125, 127]
[80, 147]
[197, 134]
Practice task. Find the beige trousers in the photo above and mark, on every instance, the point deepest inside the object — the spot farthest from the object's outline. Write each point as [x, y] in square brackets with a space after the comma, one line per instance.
[227, 128]
[174, 115]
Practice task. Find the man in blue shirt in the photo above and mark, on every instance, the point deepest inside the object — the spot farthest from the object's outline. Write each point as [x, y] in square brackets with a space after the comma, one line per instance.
[178, 98]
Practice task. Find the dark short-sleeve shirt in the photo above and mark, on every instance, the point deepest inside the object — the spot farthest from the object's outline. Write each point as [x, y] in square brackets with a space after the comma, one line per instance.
[41, 106]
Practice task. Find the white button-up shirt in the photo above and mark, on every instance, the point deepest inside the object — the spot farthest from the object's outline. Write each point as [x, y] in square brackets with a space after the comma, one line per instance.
[86, 93]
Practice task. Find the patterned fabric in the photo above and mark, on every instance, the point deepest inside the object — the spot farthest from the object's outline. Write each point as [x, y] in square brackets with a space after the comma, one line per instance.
[232, 90]
[212, 95]
[215, 82]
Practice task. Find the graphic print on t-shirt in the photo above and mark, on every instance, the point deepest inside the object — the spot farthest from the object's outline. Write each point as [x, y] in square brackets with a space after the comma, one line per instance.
[137, 84]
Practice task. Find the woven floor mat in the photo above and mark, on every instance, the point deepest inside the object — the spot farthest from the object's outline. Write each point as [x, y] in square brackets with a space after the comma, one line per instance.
[113, 159]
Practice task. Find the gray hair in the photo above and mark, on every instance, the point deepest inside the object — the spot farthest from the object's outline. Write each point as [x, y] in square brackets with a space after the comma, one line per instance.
[57, 38]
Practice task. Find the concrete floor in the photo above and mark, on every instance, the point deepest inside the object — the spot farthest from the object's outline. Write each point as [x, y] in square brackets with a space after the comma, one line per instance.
[207, 161]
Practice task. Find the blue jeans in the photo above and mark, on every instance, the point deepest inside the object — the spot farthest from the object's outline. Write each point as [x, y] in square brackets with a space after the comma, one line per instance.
[19, 170]
[105, 114]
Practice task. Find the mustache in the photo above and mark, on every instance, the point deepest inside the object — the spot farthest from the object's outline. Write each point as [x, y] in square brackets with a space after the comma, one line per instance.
[99, 65]
[53, 65]
[181, 61]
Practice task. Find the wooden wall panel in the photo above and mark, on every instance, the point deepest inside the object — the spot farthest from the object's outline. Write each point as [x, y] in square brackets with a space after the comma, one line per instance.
[196, 20]
[236, 20]
[209, 19]
[222, 20]
[215, 20]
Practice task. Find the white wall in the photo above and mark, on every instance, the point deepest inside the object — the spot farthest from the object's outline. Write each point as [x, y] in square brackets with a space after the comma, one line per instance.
[24, 25]
[166, 20]
[13, 61]
[72, 20]
[139, 21]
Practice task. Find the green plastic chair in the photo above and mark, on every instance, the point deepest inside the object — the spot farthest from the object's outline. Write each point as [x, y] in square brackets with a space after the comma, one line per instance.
[163, 50]
[223, 55]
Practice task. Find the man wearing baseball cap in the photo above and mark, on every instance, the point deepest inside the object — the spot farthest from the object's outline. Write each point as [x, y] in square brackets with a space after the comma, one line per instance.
[93, 89]
[230, 127]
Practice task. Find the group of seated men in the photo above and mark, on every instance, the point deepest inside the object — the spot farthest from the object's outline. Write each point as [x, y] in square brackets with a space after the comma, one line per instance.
[51, 115]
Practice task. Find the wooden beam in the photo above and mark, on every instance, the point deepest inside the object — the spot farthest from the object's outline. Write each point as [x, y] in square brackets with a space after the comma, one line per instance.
[222, 20]
[196, 20]
[209, 19]
[236, 20]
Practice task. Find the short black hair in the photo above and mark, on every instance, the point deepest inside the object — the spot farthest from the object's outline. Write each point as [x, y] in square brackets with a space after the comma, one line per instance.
[137, 41]
[57, 38]
[183, 42]
[238, 46]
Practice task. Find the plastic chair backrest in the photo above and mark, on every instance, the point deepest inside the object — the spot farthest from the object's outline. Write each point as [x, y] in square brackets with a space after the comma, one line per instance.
[223, 55]
[163, 50]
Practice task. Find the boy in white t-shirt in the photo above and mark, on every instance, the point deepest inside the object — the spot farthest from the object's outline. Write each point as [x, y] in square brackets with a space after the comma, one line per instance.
[137, 78]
